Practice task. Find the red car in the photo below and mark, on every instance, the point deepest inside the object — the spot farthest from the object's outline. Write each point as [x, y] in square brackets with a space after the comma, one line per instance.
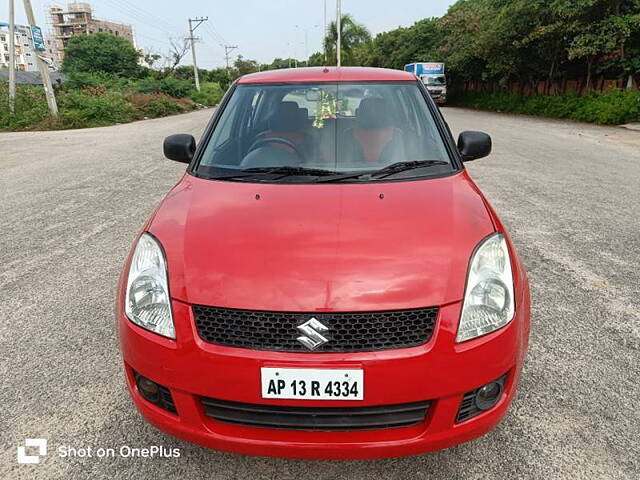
[326, 280]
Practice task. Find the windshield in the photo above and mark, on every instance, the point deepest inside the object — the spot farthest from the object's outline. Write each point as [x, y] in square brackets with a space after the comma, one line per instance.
[436, 81]
[314, 129]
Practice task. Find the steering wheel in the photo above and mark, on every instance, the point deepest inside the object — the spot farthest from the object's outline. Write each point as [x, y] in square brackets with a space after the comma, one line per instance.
[283, 141]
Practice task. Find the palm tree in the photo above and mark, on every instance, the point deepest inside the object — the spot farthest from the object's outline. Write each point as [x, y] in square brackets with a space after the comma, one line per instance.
[353, 35]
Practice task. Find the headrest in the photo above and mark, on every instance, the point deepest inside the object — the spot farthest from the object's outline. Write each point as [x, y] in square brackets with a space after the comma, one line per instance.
[286, 118]
[373, 113]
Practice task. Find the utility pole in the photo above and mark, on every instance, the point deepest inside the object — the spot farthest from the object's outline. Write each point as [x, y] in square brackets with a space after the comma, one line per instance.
[294, 47]
[198, 22]
[12, 58]
[326, 32]
[42, 66]
[306, 40]
[227, 50]
[339, 28]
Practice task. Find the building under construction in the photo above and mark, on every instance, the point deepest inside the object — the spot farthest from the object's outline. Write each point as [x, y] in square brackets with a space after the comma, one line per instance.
[78, 19]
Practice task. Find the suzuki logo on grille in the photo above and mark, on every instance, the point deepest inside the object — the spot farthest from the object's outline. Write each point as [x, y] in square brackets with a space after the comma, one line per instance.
[312, 331]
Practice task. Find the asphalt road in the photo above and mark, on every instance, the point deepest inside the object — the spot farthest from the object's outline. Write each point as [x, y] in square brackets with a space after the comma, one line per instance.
[72, 201]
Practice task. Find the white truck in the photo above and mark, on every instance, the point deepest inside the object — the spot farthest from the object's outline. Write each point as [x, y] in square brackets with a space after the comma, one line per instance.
[433, 77]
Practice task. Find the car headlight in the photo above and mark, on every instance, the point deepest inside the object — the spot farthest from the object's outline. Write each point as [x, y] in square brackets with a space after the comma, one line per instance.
[147, 301]
[488, 299]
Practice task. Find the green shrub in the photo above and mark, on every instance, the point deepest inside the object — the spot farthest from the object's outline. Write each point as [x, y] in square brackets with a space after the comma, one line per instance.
[614, 107]
[80, 80]
[175, 87]
[161, 106]
[85, 108]
[100, 99]
[147, 85]
[210, 94]
[31, 108]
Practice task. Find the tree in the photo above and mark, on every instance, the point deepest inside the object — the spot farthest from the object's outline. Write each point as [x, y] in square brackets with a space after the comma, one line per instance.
[316, 60]
[352, 35]
[587, 46]
[464, 34]
[245, 66]
[177, 52]
[280, 63]
[601, 31]
[401, 46]
[543, 40]
[150, 58]
[218, 75]
[101, 52]
[622, 29]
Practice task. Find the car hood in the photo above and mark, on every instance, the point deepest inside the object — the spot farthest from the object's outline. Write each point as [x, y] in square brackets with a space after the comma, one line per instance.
[340, 247]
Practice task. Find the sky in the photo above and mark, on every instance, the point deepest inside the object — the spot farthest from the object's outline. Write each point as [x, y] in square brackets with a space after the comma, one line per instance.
[262, 29]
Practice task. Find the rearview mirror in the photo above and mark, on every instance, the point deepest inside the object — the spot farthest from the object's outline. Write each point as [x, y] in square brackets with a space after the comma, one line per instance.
[179, 147]
[474, 145]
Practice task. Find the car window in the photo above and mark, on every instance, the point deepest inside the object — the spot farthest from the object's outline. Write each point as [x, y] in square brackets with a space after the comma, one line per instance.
[336, 127]
[436, 81]
[299, 97]
[223, 131]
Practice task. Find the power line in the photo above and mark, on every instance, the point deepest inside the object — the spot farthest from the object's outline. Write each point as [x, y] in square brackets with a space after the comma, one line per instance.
[144, 16]
[217, 38]
[214, 39]
[155, 40]
[149, 19]
[215, 34]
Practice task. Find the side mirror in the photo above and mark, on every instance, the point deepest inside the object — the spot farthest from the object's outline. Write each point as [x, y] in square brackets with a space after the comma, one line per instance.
[474, 145]
[179, 147]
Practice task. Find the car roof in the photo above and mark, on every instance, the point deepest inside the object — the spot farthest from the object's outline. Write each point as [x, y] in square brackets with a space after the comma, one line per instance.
[328, 74]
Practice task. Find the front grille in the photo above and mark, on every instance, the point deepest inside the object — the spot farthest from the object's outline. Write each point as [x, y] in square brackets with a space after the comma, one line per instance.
[316, 418]
[348, 332]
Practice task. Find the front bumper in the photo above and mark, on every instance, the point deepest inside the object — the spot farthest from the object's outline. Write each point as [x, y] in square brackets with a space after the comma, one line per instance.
[440, 371]
[439, 99]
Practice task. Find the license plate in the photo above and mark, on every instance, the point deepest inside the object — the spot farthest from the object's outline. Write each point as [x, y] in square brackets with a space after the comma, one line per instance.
[312, 384]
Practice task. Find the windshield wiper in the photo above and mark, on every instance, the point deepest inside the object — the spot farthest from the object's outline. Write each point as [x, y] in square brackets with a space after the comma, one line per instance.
[338, 177]
[384, 172]
[403, 166]
[281, 172]
[326, 176]
[287, 171]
